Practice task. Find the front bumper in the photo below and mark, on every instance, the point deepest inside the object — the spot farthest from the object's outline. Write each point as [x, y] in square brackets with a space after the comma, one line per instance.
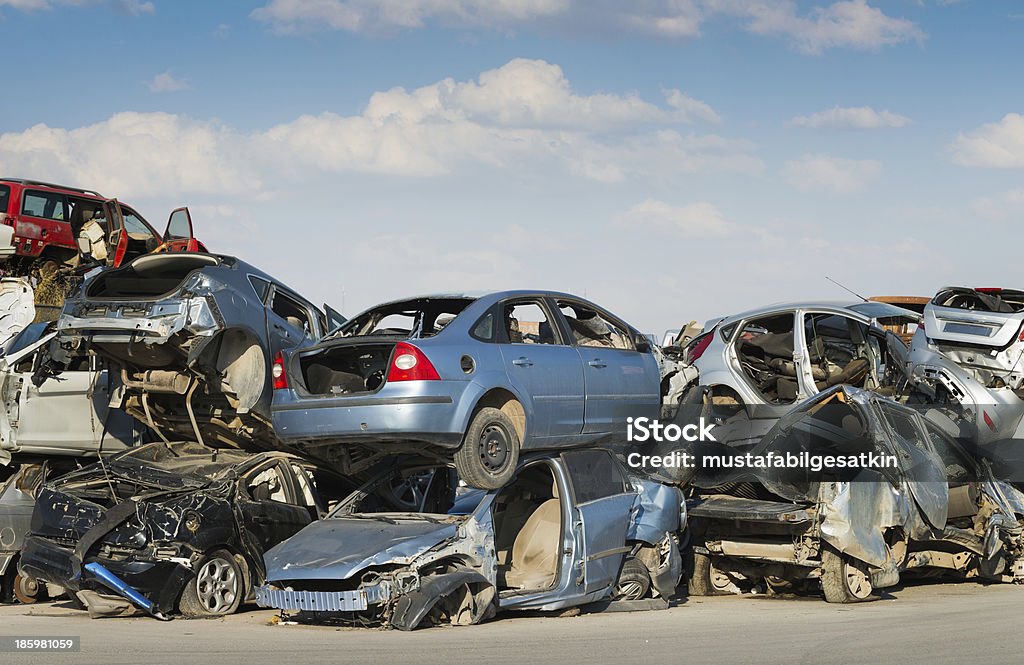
[161, 581]
[323, 601]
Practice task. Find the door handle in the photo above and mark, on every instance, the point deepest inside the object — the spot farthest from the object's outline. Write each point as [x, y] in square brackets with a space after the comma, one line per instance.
[596, 362]
[522, 362]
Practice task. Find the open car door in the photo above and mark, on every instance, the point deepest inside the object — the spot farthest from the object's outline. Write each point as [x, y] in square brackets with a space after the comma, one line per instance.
[178, 236]
[117, 238]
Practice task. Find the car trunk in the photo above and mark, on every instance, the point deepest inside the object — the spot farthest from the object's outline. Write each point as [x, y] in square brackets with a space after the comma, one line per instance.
[984, 318]
[346, 368]
[147, 278]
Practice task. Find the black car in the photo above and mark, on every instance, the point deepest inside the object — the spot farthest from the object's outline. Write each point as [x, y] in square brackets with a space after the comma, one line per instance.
[180, 523]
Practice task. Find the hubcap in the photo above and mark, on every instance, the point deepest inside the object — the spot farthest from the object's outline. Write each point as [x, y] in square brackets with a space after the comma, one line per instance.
[857, 582]
[494, 447]
[630, 591]
[217, 586]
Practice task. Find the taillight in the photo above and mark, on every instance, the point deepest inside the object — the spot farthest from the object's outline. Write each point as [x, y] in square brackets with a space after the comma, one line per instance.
[988, 421]
[9, 220]
[278, 373]
[700, 345]
[409, 364]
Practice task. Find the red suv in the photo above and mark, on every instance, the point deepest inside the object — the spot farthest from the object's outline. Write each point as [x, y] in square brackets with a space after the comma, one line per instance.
[44, 227]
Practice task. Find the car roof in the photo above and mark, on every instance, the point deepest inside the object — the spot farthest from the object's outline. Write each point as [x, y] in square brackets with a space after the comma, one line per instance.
[478, 295]
[49, 185]
[786, 306]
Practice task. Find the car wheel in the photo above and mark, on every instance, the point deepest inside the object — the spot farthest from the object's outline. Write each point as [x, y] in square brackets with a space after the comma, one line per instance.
[705, 579]
[844, 579]
[490, 450]
[634, 581]
[216, 589]
[27, 590]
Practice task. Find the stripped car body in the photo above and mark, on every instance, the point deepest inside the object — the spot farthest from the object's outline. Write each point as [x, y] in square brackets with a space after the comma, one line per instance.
[856, 530]
[969, 354]
[569, 529]
[760, 363]
[193, 336]
[481, 376]
[181, 523]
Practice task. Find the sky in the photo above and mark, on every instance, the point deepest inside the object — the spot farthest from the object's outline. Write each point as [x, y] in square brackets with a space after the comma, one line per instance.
[670, 160]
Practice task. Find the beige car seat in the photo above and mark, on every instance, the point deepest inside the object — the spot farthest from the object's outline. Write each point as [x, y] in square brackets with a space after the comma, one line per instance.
[536, 548]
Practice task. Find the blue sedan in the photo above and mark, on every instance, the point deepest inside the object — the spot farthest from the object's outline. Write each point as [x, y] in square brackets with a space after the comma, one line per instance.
[481, 377]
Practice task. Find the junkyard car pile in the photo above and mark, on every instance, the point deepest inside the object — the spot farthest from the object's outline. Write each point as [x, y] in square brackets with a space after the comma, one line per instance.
[444, 458]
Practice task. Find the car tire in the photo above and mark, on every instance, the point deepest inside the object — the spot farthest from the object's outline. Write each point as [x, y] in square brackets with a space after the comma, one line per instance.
[216, 589]
[489, 452]
[634, 581]
[703, 577]
[844, 579]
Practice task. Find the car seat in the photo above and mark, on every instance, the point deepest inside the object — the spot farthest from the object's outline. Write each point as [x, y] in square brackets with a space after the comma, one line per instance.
[537, 545]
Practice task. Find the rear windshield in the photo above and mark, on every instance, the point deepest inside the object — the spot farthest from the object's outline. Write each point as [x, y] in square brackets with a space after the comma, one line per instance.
[1003, 301]
[421, 317]
[5, 197]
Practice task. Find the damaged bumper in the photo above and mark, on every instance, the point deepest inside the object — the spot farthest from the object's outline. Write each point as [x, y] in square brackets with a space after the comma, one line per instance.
[324, 601]
[149, 323]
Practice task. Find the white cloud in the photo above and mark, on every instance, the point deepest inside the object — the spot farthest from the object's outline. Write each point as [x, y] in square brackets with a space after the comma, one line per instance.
[995, 145]
[847, 23]
[860, 117]
[696, 220]
[523, 115]
[166, 83]
[1006, 206]
[812, 172]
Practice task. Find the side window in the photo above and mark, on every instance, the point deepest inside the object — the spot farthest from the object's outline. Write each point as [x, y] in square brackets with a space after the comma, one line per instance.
[837, 348]
[594, 474]
[765, 350]
[45, 205]
[260, 286]
[293, 311]
[958, 469]
[267, 485]
[484, 328]
[5, 198]
[591, 329]
[306, 495]
[134, 225]
[527, 323]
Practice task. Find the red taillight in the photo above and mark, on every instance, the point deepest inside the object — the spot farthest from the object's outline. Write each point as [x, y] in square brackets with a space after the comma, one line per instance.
[994, 290]
[277, 371]
[699, 347]
[988, 421]
[9, 220]
[409, 364]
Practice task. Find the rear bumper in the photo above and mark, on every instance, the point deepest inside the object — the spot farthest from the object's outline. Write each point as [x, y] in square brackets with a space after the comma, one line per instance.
[323, 601]
[161, 581]
[430, 419]
[107, 322]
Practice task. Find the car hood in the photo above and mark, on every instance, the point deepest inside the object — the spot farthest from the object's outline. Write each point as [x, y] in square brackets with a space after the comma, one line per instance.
[339, 547]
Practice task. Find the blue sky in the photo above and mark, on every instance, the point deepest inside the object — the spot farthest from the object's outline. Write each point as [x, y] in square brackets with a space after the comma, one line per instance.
[670, 159]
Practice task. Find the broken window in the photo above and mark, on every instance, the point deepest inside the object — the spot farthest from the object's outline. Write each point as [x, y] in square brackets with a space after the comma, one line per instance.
[267, 485]
[293, 311]
[837, 348]
[526, 322]
[422, 317]
[591, 329]
[765, 350]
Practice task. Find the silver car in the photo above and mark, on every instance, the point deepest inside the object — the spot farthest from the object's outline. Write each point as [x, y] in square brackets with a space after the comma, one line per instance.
[969, 353]
[760, 363]
[481, 376]
[569, 529]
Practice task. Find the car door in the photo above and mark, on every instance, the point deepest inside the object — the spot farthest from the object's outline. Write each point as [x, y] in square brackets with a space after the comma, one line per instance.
[66, 413]
[290, 320]
[619, 381]
[602, 508]
[270, 508]
[542, 366]
[116, 236]
[179, 235]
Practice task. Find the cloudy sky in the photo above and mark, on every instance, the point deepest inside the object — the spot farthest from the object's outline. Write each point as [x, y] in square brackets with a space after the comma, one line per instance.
[669, 159]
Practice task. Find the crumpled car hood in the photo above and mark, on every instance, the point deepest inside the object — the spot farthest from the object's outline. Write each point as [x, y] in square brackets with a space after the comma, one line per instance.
[339, 547]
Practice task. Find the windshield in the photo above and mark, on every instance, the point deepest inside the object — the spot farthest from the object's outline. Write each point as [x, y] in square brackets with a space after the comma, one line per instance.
[183, 464]
[417, 318]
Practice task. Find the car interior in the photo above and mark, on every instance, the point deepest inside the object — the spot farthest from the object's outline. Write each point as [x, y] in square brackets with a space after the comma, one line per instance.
[528, 531]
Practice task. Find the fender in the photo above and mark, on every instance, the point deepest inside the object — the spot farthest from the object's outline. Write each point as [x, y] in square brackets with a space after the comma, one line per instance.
[412, 608]
[476, 389]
